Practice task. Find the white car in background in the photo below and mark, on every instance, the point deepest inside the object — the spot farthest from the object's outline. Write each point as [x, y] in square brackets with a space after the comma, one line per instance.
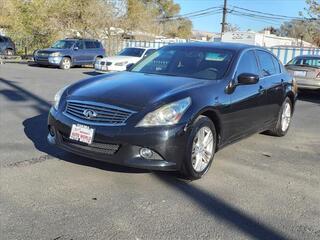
[126, 56]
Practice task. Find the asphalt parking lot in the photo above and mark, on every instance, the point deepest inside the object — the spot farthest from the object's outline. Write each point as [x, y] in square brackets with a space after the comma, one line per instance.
[260, 188]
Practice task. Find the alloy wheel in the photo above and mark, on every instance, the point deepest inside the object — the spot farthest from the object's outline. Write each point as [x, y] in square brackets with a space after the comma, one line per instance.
[66, 63]
[286, 117]
[202, 149]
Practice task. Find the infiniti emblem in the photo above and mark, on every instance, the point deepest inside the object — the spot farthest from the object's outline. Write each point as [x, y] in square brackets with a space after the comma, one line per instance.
[88, 113]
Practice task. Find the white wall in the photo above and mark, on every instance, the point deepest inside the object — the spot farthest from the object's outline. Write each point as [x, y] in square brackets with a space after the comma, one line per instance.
[261, 39]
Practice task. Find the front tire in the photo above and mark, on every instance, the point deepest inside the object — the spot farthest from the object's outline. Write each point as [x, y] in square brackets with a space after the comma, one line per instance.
[201, 148]
[65, 63]
[284, 119]
[97, 59]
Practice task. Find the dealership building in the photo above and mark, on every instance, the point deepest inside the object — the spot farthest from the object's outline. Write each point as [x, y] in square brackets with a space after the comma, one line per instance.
[263, 39]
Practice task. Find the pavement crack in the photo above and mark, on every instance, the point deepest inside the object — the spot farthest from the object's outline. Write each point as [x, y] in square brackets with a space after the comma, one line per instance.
[28, 162]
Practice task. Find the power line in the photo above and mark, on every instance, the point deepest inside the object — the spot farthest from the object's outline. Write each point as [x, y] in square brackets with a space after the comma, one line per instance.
[264, 13]
[192, 15]
[237, 11]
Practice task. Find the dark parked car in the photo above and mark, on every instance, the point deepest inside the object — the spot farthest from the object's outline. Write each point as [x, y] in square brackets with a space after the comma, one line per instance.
[306, 71]
[7, 46]
[176, 108]
[70, 52]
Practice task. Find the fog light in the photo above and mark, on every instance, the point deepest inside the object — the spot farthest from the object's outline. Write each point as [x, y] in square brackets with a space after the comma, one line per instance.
[51, 131]
[146, 153]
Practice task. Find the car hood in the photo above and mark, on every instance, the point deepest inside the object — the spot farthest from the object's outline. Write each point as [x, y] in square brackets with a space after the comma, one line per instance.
[52, 50]
[120, 59]
[132, 90]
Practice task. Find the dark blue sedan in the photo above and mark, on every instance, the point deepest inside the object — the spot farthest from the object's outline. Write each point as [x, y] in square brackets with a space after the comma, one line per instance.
[174, 109]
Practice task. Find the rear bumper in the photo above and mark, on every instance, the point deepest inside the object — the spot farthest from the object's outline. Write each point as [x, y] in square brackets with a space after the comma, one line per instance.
[308, 83]
[168, 143]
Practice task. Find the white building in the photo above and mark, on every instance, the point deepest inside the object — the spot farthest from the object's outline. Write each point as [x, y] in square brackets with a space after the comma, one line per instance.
[263, 39]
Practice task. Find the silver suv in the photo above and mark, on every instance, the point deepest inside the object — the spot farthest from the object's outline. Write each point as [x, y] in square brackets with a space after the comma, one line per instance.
[70, 52]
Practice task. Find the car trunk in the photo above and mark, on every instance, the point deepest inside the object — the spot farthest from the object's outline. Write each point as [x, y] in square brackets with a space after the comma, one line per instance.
[304, 72]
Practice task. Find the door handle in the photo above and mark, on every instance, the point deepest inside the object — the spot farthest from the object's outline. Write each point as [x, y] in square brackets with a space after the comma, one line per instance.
[261, 89]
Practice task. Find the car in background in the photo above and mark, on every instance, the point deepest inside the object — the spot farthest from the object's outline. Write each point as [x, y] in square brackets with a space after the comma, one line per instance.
[126, 57]
[7, 46]
[70, 52]
[306, 71]
[175, 108]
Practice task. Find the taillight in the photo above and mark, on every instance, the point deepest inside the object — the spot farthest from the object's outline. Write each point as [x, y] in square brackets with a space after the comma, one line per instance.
[318, 75]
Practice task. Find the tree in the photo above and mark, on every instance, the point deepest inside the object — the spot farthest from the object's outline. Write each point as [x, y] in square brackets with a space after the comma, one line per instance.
[313, 11]
[313, 8]
[231, 28]
[44, 21]
[155, 16]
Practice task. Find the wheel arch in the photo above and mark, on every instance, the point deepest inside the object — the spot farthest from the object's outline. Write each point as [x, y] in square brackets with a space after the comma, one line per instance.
[213, 115]
[68, 56]
[292, 98]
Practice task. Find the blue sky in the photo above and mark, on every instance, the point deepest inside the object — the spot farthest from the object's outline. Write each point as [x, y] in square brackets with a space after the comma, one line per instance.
[212, 23]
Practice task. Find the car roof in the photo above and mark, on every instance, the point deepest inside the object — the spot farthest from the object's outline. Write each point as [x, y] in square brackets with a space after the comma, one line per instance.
[85, 39]
[222, 45]
[147, 48]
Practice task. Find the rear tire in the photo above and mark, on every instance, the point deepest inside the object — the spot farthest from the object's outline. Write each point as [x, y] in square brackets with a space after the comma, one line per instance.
[65, 63]
[284, 119]
[9, 52]
[200, 150]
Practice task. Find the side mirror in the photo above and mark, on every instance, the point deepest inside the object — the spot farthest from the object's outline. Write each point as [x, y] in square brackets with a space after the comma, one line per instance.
[129, 66]
[247, 79]
[76, 48]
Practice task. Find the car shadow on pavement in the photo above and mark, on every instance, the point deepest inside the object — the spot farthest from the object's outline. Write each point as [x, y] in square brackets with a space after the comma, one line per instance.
[309, 96]
[220, 209]
[92, 73]
[36, 130]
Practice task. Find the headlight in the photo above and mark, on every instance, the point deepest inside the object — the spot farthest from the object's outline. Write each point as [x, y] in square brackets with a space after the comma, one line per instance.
[57, 97]
[121, 63]
[169, 114]
[55, 54]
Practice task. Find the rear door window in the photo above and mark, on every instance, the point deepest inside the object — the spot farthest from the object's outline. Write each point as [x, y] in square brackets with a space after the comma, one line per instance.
[266, 63]
[90, 44]
[97, 44]
[277, 65]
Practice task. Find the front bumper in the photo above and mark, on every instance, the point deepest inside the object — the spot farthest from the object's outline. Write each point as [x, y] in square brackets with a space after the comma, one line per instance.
[54, 61]
[169, 143]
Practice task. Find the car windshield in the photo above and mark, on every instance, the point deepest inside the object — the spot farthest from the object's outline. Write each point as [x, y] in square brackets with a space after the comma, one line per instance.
[132, 52]
[306, 61]
[194, 62]
[63, 44]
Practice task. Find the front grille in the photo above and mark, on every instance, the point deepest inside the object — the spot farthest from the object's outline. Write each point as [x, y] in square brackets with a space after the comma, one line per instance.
[102, 63]
[104, 148]
[109, 63]
[100, 114]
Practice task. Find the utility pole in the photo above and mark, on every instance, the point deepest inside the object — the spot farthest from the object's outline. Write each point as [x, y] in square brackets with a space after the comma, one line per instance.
[224, 16]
